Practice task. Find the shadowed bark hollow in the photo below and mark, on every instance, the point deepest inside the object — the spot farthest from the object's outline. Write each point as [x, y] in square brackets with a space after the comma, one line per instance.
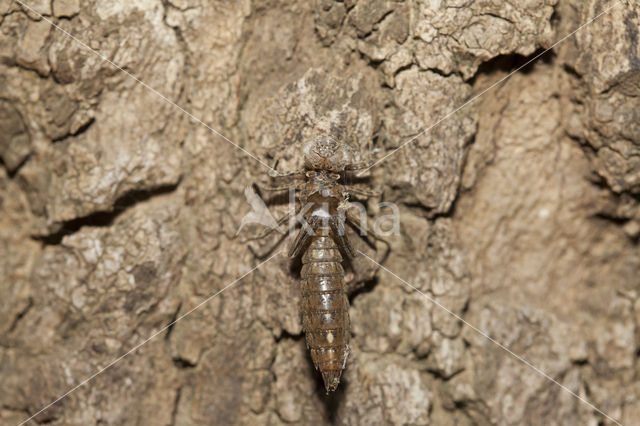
[119, 206]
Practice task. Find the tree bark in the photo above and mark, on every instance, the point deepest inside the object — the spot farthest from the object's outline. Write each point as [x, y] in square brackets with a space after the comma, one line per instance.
[129, 131]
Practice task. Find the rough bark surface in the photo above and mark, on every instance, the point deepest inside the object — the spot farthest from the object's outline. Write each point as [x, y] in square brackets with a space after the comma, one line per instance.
[520, 213]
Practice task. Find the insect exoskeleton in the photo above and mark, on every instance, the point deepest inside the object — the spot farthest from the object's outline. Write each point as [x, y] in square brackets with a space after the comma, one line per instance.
[323, 244]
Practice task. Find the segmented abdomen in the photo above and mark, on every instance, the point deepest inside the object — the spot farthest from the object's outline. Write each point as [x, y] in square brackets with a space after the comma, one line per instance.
[325, 308]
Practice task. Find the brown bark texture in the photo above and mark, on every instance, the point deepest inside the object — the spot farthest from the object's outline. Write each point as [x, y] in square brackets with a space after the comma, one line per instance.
[120, 201]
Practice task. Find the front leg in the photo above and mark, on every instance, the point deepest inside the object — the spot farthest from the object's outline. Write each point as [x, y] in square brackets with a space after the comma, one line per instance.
[364, 192]
[359, 166]
[276, 174]
[295, 187]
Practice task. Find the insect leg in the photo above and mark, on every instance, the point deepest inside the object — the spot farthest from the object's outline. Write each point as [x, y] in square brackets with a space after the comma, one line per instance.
[359, 166]
[285, 174]
[358, 190]
[269, 231]
[276, 188]
[295, 186]
[274, 173]
[297, 212]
